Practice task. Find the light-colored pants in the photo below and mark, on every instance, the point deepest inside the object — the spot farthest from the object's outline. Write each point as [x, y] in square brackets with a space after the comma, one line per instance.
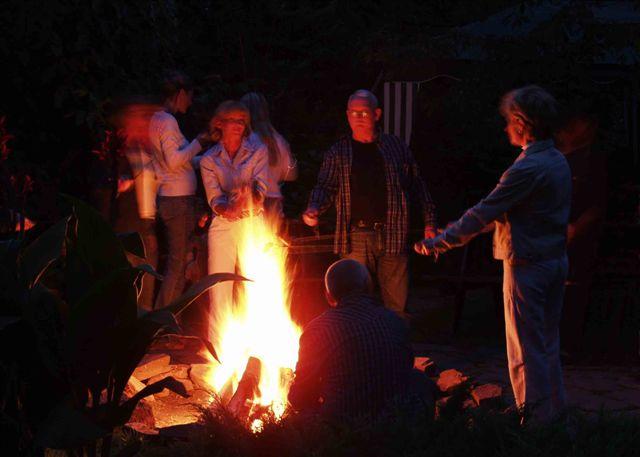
[224, 236]
[533, 296]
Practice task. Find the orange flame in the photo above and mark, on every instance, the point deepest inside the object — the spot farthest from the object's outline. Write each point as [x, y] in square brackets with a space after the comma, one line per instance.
[259, 323]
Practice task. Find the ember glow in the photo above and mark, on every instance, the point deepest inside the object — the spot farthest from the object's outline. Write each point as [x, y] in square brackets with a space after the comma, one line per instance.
[258, 325]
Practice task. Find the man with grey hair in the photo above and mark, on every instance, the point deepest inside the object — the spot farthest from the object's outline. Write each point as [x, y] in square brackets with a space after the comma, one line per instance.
[370, 177]
[529, 211]
[355, 360]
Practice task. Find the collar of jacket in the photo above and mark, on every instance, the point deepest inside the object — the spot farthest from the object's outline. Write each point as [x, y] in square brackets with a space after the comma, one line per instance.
[538, 146]
[245, 146]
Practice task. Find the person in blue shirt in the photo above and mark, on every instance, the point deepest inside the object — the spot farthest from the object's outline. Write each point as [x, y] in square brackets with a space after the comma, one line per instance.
[529, 212]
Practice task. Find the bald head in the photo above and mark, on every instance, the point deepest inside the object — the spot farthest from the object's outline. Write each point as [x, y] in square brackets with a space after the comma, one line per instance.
[365, 96]
[346, 277]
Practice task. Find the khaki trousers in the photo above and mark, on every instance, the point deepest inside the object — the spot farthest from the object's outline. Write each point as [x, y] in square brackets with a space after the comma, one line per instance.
[390, 272]
[533, 294]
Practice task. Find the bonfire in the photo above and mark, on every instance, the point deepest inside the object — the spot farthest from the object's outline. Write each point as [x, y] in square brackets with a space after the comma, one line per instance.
[255, 337]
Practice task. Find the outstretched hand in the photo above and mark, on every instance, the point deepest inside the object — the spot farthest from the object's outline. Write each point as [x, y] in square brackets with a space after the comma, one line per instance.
[425, 247]
[310, 217]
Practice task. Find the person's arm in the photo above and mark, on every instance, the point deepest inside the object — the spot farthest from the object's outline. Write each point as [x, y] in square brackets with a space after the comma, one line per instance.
[420, 194]
[175, 149]
[326, 188]
[515, 185]
[306, 388]
[216, 197]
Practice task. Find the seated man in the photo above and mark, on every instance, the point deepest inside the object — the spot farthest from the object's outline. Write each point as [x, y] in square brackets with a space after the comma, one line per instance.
[355, 358]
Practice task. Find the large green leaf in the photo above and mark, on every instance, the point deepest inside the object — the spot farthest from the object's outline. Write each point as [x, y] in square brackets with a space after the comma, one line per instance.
[181, 303]
[146, 268]
[132, 242]
[111, 301]
[42, 252]
[110, 417]
[67, 428]
[136, 339]
[211, 349]
[93, 250]
[132, 344]
[95, 323]
[45, 312]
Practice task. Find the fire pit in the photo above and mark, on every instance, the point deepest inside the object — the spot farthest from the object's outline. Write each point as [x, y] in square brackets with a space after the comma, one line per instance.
[255, 338]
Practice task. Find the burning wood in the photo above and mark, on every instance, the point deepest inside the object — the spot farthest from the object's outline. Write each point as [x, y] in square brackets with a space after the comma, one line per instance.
[242, 400]
[254, 336]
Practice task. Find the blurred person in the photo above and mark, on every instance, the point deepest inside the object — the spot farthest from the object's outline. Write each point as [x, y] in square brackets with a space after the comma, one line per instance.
[588, 209]
[370, 177]
[176, 180]
[529, 208]
[234, 174]
[134, 124]
[355, 360]
[282, 165]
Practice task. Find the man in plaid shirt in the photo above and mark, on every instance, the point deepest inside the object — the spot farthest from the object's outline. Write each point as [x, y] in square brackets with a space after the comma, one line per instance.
[372, 221]
[355, 360]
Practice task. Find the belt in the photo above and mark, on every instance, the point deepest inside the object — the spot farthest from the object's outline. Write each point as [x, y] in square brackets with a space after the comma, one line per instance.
[364, 225]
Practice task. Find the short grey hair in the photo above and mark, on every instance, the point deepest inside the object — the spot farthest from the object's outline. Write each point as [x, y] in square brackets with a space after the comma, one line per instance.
[346, 277]
[366, 95]
[535, 106]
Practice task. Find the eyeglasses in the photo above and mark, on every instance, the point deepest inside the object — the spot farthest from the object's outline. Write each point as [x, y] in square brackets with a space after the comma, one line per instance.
[359, 114]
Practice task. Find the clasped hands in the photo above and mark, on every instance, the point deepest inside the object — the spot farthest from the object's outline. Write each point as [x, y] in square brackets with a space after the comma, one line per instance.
[240, 203]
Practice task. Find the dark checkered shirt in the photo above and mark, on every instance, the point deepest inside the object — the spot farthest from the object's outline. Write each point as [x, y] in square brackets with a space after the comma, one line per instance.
[354, 361]
[402, 180]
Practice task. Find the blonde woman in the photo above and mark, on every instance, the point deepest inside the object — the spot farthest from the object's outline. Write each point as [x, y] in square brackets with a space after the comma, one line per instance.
[282, 165]
[234, 174]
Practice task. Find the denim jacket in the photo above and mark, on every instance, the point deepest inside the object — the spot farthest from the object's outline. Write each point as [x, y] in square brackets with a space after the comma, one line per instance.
[530, 207]
[223, 176]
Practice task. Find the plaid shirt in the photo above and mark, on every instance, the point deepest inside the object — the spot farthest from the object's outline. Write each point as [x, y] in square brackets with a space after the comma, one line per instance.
[403, 181]
[354, 360]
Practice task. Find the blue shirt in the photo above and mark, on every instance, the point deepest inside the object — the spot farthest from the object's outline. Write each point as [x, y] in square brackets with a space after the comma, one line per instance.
[530, 206]
[223, 176]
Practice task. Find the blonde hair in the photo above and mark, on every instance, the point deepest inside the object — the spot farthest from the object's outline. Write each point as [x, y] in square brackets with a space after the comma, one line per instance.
[537, 108]
[224, 108]
[261, 124]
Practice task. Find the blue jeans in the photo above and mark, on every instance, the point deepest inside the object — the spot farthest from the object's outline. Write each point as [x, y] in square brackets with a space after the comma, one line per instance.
[177, 217]
[533, 295]
[150, 240]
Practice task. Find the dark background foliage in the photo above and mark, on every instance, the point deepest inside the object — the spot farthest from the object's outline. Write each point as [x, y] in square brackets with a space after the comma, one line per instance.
[69, 64]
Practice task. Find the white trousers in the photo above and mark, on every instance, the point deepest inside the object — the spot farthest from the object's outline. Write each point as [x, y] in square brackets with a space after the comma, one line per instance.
[223, 238]
[533, 296]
